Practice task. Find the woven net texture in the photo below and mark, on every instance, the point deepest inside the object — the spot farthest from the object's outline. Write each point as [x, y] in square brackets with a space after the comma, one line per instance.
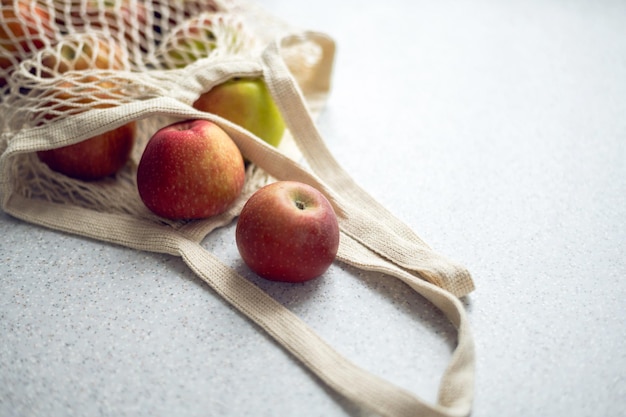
[63, 58]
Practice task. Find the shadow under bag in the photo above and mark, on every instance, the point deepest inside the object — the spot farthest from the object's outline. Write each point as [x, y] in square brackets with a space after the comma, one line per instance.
[297, 68]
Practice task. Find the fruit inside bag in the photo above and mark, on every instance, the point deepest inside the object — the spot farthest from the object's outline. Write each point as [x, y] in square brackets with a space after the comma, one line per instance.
[63, 61]
[75, 70]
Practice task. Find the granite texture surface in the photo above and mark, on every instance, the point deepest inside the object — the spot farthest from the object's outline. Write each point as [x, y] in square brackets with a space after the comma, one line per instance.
[497, 130]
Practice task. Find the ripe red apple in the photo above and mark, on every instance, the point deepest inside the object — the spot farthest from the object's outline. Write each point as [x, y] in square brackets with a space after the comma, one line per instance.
[247, 103]
[190, 170]
[101, 155]
[96, 157]
[288, 231]
[24, 28]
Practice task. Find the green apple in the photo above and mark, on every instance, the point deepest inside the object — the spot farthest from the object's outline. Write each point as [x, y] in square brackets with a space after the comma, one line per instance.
[203, 36]
[188, 50]
[248, 103]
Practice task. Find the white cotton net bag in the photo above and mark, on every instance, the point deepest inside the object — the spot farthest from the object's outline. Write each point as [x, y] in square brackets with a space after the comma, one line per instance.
[72, 71]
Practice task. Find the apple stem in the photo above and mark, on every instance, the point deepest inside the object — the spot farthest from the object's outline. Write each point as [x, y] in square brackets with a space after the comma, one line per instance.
[300, 205]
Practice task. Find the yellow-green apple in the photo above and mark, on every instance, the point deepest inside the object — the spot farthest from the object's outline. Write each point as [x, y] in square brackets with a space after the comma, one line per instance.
[287, 231]
[96, 157]
[25, 26]
[200, 36]
[247, 103]
[192, 41]
[190, 170]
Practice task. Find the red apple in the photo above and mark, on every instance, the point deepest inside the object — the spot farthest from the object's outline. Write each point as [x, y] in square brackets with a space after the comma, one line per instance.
[101, 155]
[247, 103]
[94, 158]
[127, 19]
[190, 170]
[288, 231]
[25, 26]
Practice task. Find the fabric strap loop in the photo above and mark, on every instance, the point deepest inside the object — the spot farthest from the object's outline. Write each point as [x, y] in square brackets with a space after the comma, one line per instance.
[369, 221]
[372, 238]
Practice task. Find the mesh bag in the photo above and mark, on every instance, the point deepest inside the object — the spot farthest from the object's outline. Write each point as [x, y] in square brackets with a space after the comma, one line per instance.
[74, 69]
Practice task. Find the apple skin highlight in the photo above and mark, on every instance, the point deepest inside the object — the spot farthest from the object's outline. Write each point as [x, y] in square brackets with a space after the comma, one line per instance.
[190, 170]
[248, 103]
[288, 231]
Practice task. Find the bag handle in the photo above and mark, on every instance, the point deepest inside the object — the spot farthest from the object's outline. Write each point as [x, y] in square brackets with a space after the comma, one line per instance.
[356, 384]
[456, 388]
[343, 376]
[356, 248]
[370, 239]
[368, 222]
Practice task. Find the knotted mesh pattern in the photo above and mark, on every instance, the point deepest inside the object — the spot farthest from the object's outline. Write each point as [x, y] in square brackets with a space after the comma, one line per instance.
[74, 60]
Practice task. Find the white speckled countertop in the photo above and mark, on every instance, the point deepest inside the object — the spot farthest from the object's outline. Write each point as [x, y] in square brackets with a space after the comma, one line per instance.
[497, 130]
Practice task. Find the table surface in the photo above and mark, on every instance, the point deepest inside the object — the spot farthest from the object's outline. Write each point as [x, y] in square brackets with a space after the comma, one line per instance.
[496, 130]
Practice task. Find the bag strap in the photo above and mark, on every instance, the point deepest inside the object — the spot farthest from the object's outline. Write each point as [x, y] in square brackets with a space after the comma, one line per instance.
[349, 380]
[368, 222]
[356, 248]
[372, 239]
[343, 376]
[456, 388]
[356, 384]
